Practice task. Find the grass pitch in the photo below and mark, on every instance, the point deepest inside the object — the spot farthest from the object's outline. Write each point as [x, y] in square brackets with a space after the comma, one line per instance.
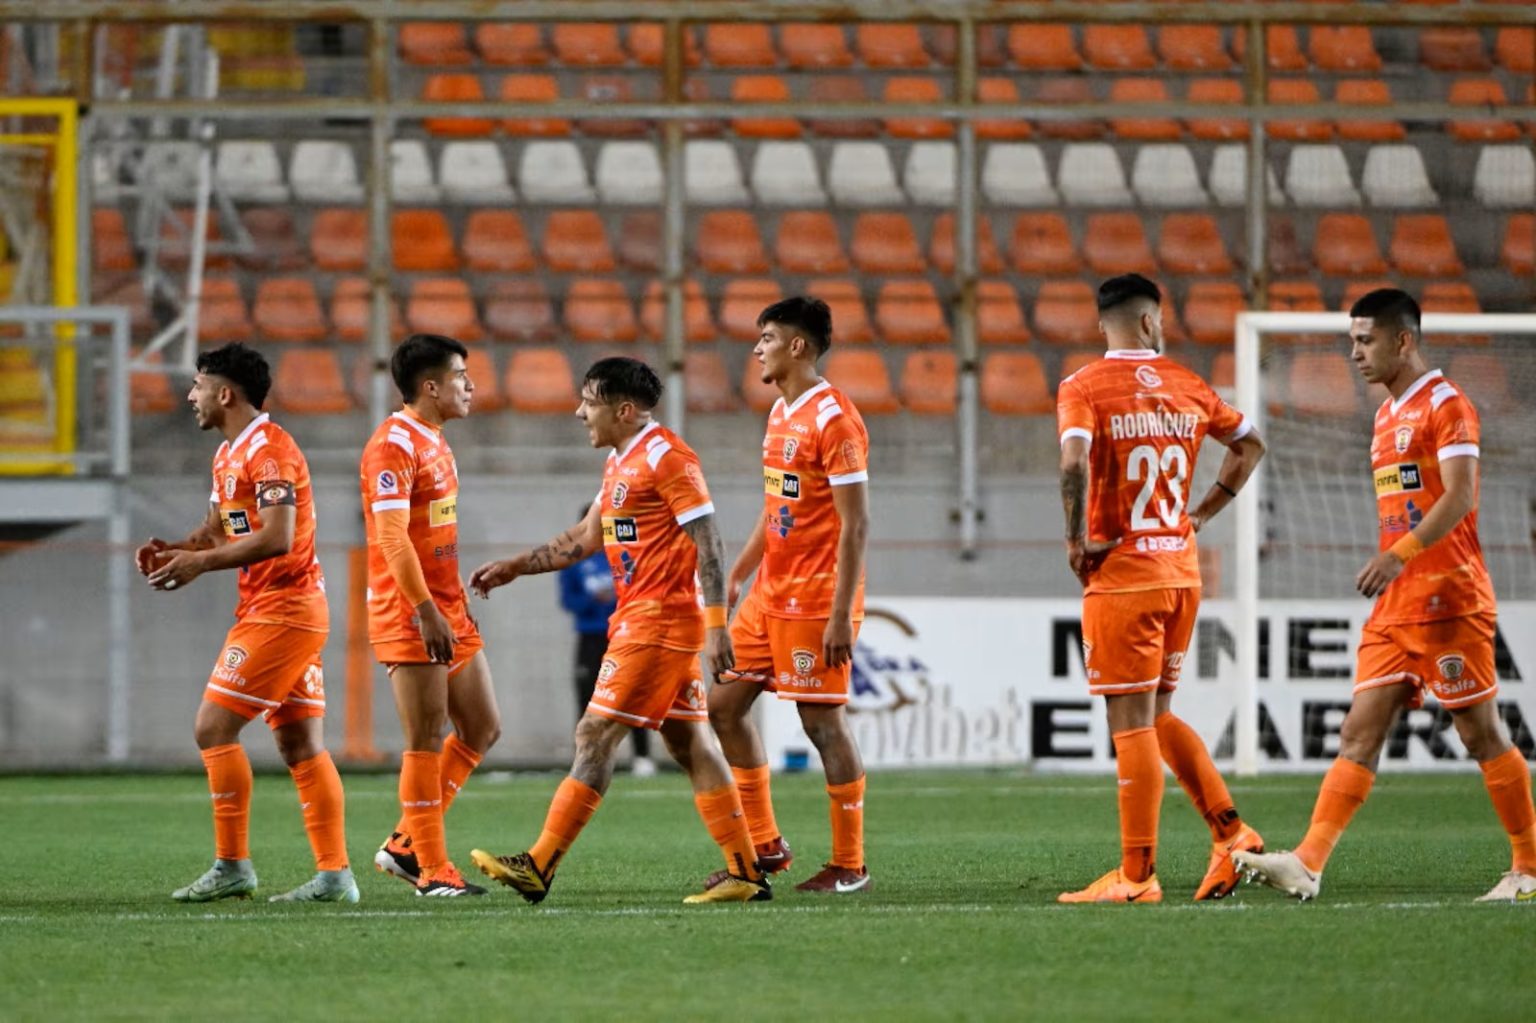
[961, 923]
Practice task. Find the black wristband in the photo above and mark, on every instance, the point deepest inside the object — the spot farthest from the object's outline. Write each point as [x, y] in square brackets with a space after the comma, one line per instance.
[1229, 490]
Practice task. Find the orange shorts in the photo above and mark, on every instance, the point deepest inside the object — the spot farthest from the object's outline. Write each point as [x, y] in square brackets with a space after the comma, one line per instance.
[787, 650]
[643, 685]
[1453, 658]
[272, 670]
[1135, 642]
[413, 651]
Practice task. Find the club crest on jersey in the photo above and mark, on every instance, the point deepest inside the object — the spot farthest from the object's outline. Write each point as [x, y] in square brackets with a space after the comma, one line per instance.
[1402, 438]
[791, 445]
[386, 483]
[609, 667]
[804, 660]
[620, 492]
[1146, 376]
[234, 656]
[1451, 666]
[229, 487]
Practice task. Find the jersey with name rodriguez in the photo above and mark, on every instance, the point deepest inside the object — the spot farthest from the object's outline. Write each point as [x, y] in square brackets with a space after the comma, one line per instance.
[1144, 418]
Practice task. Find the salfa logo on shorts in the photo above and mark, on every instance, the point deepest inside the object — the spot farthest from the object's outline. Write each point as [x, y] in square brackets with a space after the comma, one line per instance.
[804, 660]
[1146, 376]
[235, 656]
[1451, 666]
[607, 670]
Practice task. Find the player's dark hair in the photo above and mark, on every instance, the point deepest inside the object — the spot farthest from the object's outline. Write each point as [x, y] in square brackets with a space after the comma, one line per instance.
[621, 378]
[420, 357]
[1117, 291]
[808, 317]
[244, 367]
[1392, 308]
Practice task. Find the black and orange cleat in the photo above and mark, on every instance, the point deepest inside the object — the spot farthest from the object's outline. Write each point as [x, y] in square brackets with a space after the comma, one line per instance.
[517, 872]
[836, 880]
[447, 883]
[397, 857]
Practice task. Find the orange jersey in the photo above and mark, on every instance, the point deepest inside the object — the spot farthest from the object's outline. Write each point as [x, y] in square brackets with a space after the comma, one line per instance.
[288, 589]
[1144, 417]
[407, 466]
[651, 491]
[1431, 422]
[815, 444]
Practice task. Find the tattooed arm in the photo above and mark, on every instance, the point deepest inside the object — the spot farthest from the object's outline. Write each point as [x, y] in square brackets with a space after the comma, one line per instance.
[566, 549]
[718, 655]
[1083, 554]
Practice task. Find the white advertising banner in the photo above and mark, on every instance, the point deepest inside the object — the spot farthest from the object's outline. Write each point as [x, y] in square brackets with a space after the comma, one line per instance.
[944, 682]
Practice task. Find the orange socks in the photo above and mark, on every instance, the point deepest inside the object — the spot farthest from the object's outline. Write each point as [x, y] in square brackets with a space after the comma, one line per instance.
[847, 823]
[1344, 790]
[229, 782]
[421, 803]
[1191, 763]
[757, 802]
[1140, 767]
[1509, 786]
[455, 764]
[324, 806]
[721, 812]
[573, 805]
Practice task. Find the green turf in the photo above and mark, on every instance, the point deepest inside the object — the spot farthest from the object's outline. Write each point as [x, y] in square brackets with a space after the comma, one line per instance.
[961, 922]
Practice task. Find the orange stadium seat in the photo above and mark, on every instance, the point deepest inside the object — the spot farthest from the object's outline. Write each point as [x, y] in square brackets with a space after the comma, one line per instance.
[338, 239]
[287, 309]
[1042, 245]
[647, 42]
[1296, 297]
[1142, 129]
[1516, 49]
[941, 246]
[274, 239]
[443, 305]
[1216, 90]
[176, 239]
[1517, 254]
[422, 241]
[707, 383]
[539, 380]
[575, 242]
[808, 243]
[908, 312]
[1000, 90]
[916, 90]
[1453, 48]
[884, 243]
[583, 44]
[127, 292]
[697, 324]
[494, 240]
[1115, 243]
[434, 43]
[598, 309]
[999, 317]
[309, 382]
[610, 90]
[1117, 47]
[222, 314]
[841, 89]
[1210, 310]
[1486, 380]
[1421, 246]
[1282, 50]
[520, 310]
[745, 44]
[455, 88]
[1066, 312]
[1224, 372]
[1355, 290]
[1346, 48]
[930, 383]
[1044, 47]
[1190, 243]
[1283, 249]
[640, 240]
[1449, 297]
[1481, 92]
[861, 374]
[1013, 384]
[1193, 48]
[763, 89]
[1068, 92]
[814, 45]
[1322, 384]
[150, 392]
[481, 365]
[742, 301]
[729, 243]
[111, 248]
[758, 395]
[1345, 246]
[350, 304]
[698, 89]
[850, 318]
[511, 43]
[1367, 92]
[532, 89]
[1294, 91]
[890, 46]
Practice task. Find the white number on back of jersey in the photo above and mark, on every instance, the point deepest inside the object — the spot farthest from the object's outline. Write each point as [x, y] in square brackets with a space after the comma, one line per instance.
[1147, 464]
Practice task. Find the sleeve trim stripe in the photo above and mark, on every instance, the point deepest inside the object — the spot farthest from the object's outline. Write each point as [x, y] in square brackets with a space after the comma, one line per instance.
[707, 508]
[402, 442]
[848, 478]
[1076, 431]
[654, 455]
[1244, 428]
[1458, 451]
[379, 506]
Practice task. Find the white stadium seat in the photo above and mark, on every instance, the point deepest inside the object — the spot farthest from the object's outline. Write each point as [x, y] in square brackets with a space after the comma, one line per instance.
[171, 169]
[930, 173]
[629, 174]
[861, 175]
[712, 174]
[1319, 176]
[1014, 174]
[410, 172]
[1229, 177]
[784, 174]
[1505, 176]
[1165, 175]
[552, 171]
[324, 171]
[250, 171]
[473, 172]
[1395, 176]
[1090, 175]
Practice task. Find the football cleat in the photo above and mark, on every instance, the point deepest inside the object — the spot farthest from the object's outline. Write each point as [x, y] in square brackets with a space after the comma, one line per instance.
[325, 886]
[447, 883]
[1514, 886]
[1283, 871]
[1115, 887]
[518, 872]
[836, 880]
[774, 857]
[226, 879]
[397, 857]
[723, 886]
[1221, 876]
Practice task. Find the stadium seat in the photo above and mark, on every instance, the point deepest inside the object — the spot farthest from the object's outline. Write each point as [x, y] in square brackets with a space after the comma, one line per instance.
[713, 174]
[729, 243]
[1114, 243]
[647, 42]
[862, 376]
[275, 244]
[744, 44]
[916, 90]
[813, 46]
[434, 43]
[908, 312]
[1450, 297]
[442, 305]
[1224, 374]
[1229, 177]
[1322, 384]
[1042, 245]
[1343, 48]
[1394, 175]
[1453, 48]
[455, 88]
[495, 241]
[410, 173]
[785, 174]
[1367, 92]
[609, 91]
[1191, 243]
[884, 45]
[850, 317]
[520, 310]
[1165, 175]
[250, 172]
[884, 243]
[532, 89]
[473, 172]
[1014, 174]
[1013, 384]
[1044, 47]
[1296, 91]
[1283, 249]
[697, 323]
[1000, 90]
[808, 243]
[861, 174]
[763, 89]
[1142, 129]
[707, 383]
[539, 380]
[287, 309]
[222, 314]
[552, 171]
[1117, 48]
[1090, 175]
[1068, 92]
[149, 391]
[1071, 362]
[1296, 297]
[1282, 51]
[582, 44]
[1193, 48]
[1210, 310]
[350, 304]
[640, 240]
[576, 242]
[599, 309]
[1505, 176]
[481, 365]
[176, 239]
[759, 395]
[1481, 92]
[841, 89]
[1421, 246]
[422, 240]
[324, 171]
[1318, 175]
[1355, 290]
[742, 301]
[1486, 380]
[1516, 49]
[991, 45]
[930, 382]
[1345, 246]
[511, 43]
[1067, 313]
[111, 248]
[941, 245]
[172, 165]
[1216, 90]
[999, 317]
[629, 174]
[308, 382]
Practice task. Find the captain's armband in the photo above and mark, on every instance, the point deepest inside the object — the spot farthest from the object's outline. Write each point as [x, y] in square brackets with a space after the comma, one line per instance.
[275, 492]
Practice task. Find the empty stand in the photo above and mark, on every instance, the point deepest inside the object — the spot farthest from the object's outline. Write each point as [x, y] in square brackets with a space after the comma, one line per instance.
[1367, 92]
[1453, 48]
[908, 312]
[443, 305]
[275, 244]
[640, 240]
[589, 44]
[861, 174]
[850, 318]
[729, 243]
[1348, 49]
[324, 171]
[481, 367]
[1296, 91]
[697, 323]
[532, 89]
[1068, 92]
[941, 246]
[1517, 254]
[1394, 175]
[1044, 47]
[422, 240]
[434, 43]
[862, 375]
[1193, 48]
[1091, 175]
[455, 88]
[1346, 246]
[884, 243]
[287, 309]
[763, 89]
[1014, 174]
[1210, 309]
[1216, 90]
[1505, 176]
[308, 381]
[1000, 90]
[410, 173]
[1013, 384]
[250, 172]
[496, 241]
[473, 172]
[916, 90]
[1118, 48]
[1042, 244]
[552, 171]
[841, 89]
[1322, 384]
[1481, 92]
[222, 315]
[575, 241]
[708, 383]
[713, 174]
[743, 300]
[785, 174]
[1142, 129]
[1421, 246]
[814, 46]
[600, 310]
[629, 174]
[1191, 243]
[748, 45]
[1066, 312]
[999, 316]
[1165, 175]
[808, 243]
[1115, 243]
[539, 380]
[520, 310]
[350, 304]
[882, 45]
[1318, 175]
[930, 383]
[511, 43]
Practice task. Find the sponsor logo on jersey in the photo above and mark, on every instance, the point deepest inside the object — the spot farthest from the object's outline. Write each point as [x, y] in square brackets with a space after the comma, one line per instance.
[1173, 664]
[778, 483]
[791, 445]
[1451, 666]
[851, 455]
[620, 530]
[1146, 376]
[609, 667]
[1161, 544]
[229, 487]
[236, 523]
[627, 563]
[783, 523]
[444, 511]
[620, 492]
[1397, 479]
[386, 483]
[800, 428]
[314, 682]
[804, 660]
[1402, 438]
[228, 668]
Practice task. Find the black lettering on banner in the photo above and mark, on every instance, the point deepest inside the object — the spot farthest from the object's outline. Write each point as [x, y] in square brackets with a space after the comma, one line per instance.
[1301, 646]
[275, 492]
[1045, 727]
[1427, 724]
[1066, 640]
[1213, 639]
[1504, 665]
[1319, 723]
[1270, 742]
[1519, 731]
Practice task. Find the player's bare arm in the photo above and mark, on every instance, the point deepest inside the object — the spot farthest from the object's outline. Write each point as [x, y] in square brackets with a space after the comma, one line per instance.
[718, 655]
[851, 502]
[566, 549]
[273, 538]
[1242, 457]
[1460, 478]
[746, 564]
[152, 553]
[1083, 555]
